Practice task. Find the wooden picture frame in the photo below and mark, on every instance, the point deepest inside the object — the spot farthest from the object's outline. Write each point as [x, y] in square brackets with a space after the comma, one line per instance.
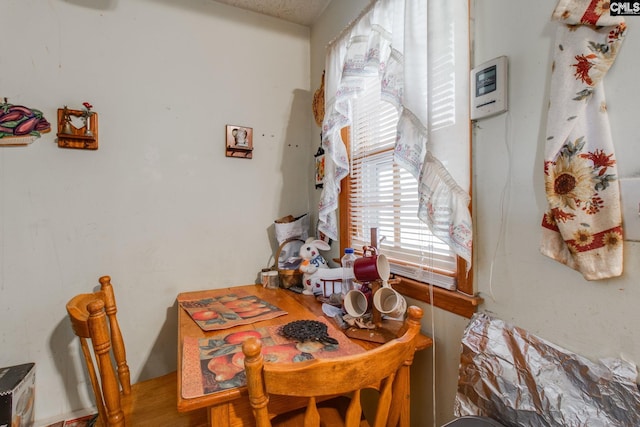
[69, 136]
[319, 168]
[239, 141]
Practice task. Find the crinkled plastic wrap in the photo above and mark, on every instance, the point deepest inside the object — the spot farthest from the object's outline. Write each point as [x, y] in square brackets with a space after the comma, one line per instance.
[521, 380]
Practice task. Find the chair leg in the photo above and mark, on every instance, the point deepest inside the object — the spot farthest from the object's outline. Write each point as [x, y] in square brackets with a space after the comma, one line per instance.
[400, 415]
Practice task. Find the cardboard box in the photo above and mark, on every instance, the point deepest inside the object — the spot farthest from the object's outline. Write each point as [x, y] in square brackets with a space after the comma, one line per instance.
[17, 394]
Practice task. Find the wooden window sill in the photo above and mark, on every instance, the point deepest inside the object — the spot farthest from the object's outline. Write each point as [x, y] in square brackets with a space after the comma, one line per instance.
[452, 301]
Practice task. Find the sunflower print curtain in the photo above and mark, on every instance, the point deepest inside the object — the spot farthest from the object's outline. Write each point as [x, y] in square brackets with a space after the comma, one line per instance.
[582, 226]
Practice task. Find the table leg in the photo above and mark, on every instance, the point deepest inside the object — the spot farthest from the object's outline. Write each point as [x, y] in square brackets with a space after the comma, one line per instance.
[219, 416]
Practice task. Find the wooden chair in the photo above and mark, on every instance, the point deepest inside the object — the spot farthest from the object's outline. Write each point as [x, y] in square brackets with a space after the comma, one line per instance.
[385, 368]
[148, 403]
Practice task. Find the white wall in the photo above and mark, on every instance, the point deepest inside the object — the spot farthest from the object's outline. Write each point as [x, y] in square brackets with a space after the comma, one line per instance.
[161, 209]
[158, 207]
[595, 319]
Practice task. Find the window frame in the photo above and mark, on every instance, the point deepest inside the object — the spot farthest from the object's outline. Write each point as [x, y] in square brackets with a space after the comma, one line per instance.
[461, 301]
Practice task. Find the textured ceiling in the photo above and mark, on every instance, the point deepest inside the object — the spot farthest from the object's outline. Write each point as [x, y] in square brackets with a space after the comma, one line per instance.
[303, 12]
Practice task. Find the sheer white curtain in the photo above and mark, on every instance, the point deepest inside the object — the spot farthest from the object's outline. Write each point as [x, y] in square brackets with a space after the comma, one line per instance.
[418, 50]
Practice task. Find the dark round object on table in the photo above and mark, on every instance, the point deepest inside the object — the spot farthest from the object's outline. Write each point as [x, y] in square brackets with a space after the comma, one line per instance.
[307, 330]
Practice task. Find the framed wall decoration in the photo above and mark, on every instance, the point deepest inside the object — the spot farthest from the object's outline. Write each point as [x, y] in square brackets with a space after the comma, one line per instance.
[319, 160]
[239, 141]
[82, 136]
[318, 103]
[20, 125]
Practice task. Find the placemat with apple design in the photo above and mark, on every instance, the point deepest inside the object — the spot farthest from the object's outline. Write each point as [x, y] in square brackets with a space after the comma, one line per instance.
[226, 311]
[217, 363]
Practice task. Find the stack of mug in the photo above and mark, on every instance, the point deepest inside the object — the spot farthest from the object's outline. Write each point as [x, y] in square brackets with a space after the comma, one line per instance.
[369, 268]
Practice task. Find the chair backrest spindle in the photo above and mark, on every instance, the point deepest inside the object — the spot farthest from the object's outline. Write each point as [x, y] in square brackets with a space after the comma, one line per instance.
[117, 342]
[102, 349]
[94, 321]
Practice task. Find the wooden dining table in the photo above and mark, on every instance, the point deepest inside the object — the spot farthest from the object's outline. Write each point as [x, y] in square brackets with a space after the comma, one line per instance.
[230, 406]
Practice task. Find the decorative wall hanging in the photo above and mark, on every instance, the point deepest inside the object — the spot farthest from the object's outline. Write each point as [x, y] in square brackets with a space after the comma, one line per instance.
[20, 125]
[83, 137]
[582, 227]
[319, 160]
[318, 103]
[239, 142]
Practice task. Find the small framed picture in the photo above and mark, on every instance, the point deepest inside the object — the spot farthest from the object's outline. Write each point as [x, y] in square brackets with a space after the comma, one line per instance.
[319, 157]
[239, 142]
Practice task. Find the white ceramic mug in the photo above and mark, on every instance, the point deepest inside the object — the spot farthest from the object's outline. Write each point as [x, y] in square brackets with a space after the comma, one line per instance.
[389, 302]
[355, 303]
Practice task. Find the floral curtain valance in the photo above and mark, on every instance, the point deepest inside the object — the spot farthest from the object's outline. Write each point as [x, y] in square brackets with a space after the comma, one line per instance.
[395, 42]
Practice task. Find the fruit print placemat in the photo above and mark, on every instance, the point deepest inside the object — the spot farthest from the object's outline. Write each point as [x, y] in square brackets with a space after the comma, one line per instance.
[217, 363]
[226, 311]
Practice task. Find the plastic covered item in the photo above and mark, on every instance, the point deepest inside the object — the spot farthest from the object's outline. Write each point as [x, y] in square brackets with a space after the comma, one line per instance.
[290, 227]
[290, 232]
[520, 379]
[473, 421]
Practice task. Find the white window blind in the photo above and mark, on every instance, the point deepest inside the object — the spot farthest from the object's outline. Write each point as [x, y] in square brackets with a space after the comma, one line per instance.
[385, 196]
[410, 175]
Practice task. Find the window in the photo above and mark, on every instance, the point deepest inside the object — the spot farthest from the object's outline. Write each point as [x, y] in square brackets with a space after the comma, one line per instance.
[379, 193]
[385, 196]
